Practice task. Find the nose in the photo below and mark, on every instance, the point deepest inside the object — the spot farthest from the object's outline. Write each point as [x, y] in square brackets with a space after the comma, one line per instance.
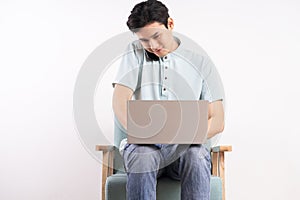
[154, 45]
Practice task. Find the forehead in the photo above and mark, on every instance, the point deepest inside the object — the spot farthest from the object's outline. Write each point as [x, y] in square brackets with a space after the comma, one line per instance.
[150, 29]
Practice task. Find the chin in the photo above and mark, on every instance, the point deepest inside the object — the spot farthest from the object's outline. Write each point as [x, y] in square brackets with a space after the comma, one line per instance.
[161, 53]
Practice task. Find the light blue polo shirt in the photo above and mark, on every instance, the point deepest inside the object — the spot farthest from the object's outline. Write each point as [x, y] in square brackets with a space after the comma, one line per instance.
[184, 74]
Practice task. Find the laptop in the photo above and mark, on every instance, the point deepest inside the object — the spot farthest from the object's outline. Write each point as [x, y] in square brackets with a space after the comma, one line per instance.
[167, 122]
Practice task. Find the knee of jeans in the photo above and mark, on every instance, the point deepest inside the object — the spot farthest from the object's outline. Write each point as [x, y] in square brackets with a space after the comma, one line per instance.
[140, 159]
[197, 152]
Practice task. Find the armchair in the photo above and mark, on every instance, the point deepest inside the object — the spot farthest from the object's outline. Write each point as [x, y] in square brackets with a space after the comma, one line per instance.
[114, 177]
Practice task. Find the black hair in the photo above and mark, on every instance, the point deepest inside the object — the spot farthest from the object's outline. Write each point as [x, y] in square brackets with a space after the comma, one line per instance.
[147, 12]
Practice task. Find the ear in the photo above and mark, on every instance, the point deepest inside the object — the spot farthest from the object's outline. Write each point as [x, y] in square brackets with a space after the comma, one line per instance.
[170, 23]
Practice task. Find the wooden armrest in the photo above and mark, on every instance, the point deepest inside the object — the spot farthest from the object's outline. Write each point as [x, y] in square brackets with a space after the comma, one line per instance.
[105, 148]
[221, 149]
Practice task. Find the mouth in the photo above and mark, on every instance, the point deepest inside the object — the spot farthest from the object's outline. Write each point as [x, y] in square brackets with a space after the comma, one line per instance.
[157, 51]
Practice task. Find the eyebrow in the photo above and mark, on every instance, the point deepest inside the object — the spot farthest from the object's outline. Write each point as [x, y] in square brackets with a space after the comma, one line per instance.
[144, 39]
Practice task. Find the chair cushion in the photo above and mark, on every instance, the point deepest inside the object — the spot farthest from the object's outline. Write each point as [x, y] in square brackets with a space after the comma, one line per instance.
[166, 188]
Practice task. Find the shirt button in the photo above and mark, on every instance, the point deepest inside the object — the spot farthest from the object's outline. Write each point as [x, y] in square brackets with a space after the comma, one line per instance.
[166, 57]
[164, 89]
[166, 67]
[166, 78]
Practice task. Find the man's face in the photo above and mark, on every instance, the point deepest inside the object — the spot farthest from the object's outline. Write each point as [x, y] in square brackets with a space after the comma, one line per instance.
[157, 39]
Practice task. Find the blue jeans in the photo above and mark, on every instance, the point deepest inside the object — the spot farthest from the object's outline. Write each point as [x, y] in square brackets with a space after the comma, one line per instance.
[190, 164]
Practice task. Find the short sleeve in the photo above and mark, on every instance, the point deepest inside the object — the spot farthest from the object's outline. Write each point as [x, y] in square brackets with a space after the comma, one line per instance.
[128, 70]
[212, 86]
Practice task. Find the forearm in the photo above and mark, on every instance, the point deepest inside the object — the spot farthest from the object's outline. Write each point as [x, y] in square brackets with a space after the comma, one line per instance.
[120, 110]
[120, 97]
[215, 118]
[215, 126]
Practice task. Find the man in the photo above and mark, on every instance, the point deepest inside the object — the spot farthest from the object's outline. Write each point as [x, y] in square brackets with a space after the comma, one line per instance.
[158, 66]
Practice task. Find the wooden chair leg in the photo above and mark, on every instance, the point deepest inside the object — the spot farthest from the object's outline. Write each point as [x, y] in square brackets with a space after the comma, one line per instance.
[215, 158]
[222, 173]
[104, 172]
[218, 164]
[107, 164]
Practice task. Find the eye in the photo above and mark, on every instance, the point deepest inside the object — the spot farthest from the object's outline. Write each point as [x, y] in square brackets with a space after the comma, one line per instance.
[143, 41]
[156, 36]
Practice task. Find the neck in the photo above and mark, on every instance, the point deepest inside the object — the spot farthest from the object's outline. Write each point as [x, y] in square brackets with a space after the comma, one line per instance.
[174, 45]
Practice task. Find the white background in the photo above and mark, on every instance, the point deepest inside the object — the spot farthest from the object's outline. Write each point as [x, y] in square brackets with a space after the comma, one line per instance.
[255, 44]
